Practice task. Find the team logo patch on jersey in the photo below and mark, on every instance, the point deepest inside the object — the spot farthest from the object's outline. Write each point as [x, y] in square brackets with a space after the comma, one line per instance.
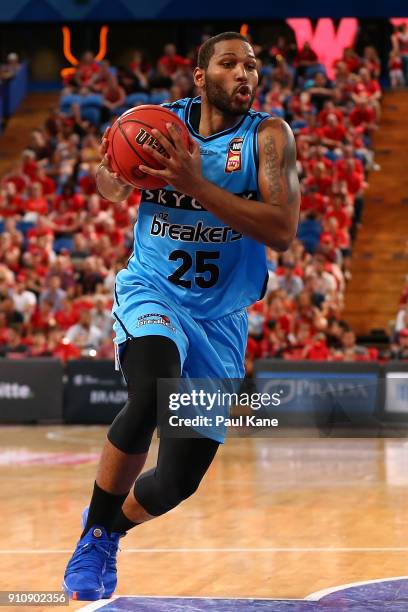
[234, 161]
[155, 319]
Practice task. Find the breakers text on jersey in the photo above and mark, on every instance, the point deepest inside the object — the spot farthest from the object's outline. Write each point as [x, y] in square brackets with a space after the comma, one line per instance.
[191, 233]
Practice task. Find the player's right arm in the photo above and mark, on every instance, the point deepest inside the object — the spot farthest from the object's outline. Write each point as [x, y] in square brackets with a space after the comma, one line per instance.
[109, 184]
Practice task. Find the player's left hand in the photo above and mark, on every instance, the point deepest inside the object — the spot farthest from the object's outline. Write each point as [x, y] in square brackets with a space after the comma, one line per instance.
[182, 166]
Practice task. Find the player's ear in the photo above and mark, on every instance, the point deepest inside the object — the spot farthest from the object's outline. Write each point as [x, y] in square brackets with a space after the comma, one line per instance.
[199, 77]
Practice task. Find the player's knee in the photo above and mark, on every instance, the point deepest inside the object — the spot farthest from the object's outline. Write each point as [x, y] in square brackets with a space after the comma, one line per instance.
[132, 430]
[177, 485]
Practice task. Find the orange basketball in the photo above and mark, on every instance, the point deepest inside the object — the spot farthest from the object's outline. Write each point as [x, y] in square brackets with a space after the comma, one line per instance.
[130, 132]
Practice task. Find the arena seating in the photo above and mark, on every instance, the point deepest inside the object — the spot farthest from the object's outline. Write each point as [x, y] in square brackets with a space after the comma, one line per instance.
[61, 243]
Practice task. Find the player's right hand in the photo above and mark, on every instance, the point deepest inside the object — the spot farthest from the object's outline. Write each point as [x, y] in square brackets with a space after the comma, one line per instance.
[106, 160]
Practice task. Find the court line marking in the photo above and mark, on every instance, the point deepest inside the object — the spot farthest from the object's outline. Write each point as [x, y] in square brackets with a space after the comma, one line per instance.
[316, 596]
[320, 594]
[100, 604]
[48, 551]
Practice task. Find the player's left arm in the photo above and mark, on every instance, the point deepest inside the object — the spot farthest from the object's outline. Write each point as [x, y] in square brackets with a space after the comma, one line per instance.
[278, 178]
[272, 221]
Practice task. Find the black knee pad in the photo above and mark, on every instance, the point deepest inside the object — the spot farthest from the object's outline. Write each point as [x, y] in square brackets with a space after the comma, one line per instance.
[181, 466]
[144, 361]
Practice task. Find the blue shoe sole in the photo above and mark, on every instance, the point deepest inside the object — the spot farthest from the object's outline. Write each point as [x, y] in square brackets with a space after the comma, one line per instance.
[85, 595]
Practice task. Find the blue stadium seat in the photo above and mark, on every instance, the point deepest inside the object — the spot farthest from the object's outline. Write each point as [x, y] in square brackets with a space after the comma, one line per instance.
[67, 101]
[311, 71]
[159, 97]
[91, 108]
[24, 226]
[65, 242]
[135, 99]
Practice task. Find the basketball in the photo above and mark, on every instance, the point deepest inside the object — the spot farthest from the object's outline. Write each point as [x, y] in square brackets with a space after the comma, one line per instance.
[130, 132]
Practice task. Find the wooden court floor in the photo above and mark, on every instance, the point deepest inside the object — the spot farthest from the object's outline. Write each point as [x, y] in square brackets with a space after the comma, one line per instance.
[273, 518]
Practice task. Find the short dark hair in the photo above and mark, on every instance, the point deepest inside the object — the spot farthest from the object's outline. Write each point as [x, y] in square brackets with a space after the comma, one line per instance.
[206, 50]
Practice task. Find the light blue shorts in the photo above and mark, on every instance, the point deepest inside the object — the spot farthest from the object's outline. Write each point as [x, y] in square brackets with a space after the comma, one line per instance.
[212, 349]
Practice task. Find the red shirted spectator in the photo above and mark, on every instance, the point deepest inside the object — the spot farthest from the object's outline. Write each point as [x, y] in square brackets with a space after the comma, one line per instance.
[86, 70]
[42, 317]
[354, 180]
[335, 237]
[61, 347]
[362, 115]
[351, 59]
[305, 56]
[134, 198]
[368, 86]
[4, 328]
[30, 166]
[42, 228]
[100, 77]
[314, 201]
[74, 201]
[330, 109]
[333, 132]
[121, 215]
[19, 179]
[316, 156]
[87, 184]
[372, 61]
[36, 203]
[139, 65]
[48, 184]
[319, 181]
[11, 203]
[67, 315]
[341, 163]
[337, 210]
[171, 61]
[318, 351]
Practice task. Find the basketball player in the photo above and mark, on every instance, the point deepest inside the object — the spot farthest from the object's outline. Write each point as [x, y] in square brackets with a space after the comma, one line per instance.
[180, 304]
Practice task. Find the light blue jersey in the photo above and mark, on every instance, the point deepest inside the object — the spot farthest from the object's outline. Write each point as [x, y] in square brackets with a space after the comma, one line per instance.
[186, 253]
[191, 276]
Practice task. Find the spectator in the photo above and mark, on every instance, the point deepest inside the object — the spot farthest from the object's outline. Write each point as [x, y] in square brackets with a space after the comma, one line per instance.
[171, 60]
[54, 294]
[85, 334]
[320, 89]
[395, 68]
[290, 282]
[399, 350]
[24, 300]
[15, 347]
[102, 318]
[350, 350]
[371, 61]
[305, 58]
[13, 316]
[400, 45]
[9, 70]
[86, 71]
[113, 97]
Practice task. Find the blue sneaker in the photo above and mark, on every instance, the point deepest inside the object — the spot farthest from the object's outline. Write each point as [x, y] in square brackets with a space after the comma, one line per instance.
[110, 573]
[83, 575]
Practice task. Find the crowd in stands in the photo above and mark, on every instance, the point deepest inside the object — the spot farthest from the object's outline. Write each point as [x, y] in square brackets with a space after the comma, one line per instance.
[61, 243]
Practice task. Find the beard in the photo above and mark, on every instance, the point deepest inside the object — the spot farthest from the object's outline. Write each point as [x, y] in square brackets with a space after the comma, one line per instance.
[221, 100]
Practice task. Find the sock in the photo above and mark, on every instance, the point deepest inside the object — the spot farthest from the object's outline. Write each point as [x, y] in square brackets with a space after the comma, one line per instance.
[103, 508]
[121, 524]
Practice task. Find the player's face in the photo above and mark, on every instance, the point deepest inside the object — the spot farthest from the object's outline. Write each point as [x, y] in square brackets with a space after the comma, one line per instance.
[231, 78]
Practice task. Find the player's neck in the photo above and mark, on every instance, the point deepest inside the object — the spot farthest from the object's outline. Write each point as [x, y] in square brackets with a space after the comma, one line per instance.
[213, 120]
